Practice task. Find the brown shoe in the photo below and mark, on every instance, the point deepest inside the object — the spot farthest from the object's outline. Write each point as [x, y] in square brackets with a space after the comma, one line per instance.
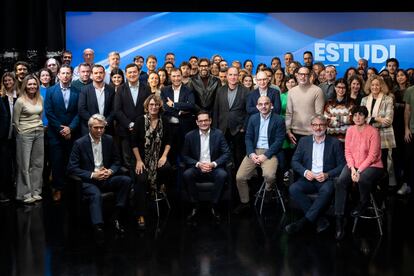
[57, 195]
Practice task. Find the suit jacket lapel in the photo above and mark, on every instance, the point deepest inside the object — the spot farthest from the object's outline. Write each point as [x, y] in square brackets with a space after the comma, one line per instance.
[197, 145]
[88, 149]
[326, 152]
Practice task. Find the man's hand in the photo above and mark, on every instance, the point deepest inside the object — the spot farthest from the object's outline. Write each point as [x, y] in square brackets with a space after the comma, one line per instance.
[100, 174]
[139, 167]
[292, 137]
[321, 177]
[261, 158]
[169, 102]
[309, 175]
[205, 167]
[65, 131]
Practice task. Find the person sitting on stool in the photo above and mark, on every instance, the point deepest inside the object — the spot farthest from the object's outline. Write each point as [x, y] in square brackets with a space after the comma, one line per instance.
[205, 152]
[264, 138]
[95, 159]
[318, 159]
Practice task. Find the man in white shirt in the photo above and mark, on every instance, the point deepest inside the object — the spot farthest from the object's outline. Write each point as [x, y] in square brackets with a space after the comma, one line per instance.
[205, 152]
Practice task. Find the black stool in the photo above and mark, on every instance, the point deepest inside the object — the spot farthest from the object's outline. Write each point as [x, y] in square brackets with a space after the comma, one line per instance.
[262, 193]
[373, 212]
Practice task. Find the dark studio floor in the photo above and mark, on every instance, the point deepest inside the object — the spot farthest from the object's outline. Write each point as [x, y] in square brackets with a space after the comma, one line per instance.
[43, 240]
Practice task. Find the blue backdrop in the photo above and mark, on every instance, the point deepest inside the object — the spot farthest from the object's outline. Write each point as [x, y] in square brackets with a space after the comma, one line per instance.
[334, 38]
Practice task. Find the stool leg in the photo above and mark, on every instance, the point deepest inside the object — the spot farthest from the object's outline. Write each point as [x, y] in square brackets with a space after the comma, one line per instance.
[279, 195]
[166, 199]
[379, 222]
[263, 197]
[259, 193]
[156, 202]
[355, 224]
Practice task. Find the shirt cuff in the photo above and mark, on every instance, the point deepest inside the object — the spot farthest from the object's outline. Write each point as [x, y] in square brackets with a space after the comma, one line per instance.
[92, 175]
[215, 164]
[196, 165]
[131, 124]
[304, 174]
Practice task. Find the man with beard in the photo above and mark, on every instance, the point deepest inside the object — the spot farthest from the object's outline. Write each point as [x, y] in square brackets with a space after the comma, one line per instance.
[21, 70]
[204, 86]
[308, 59]
[317, 160]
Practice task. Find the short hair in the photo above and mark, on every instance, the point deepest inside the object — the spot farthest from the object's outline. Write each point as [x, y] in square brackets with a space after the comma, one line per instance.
[157, 99]
[176, 70]
[66, 66]
[392, 60]
[308, 52]
[98, 66]
[98, 117]
[138, 57]
[24, 63]
[319, 117]
[169, 54]
[185, 63]
[195, 57]
[67, 52]
[114, 53]
[201, 112]
[152, 57]
[361, 109]
[205, 60]
[131, 65]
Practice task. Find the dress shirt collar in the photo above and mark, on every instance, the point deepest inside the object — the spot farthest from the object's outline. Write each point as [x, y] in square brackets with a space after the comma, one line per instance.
[93, 140]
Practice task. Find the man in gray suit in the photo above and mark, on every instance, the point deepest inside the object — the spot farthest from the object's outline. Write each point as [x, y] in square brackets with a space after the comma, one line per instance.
[230, 115]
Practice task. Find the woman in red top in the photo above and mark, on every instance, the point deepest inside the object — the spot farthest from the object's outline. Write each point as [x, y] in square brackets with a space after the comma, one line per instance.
[363, 166]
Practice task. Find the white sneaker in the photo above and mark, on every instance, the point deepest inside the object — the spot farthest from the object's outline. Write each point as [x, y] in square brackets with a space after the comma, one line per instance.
[29, 200]
[37, 197]
[405, 189]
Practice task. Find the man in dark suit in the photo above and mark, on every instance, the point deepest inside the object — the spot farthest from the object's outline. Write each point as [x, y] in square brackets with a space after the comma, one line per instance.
[61, 106]
[318, 159]
[205, 152]
[179, 107]
[95, 159]
[263, 90]
[204, 86]
[96, 98]
[129, 105]
[264, 138]
[230, 115]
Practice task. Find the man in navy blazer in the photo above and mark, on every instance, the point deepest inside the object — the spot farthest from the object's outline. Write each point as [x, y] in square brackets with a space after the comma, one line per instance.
[61, 108]
[205, 152]
[318, 160]
[264, 138]
[129, 105]
[95, 159]
[96, 98]
[263, 90]
[179, 107]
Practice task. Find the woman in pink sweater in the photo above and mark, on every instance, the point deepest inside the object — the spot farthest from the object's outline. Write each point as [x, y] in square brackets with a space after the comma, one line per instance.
[364, 166]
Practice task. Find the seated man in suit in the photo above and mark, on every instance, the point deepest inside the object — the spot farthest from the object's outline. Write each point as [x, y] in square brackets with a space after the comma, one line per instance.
[318, 159]
[205, 152]
[264, 138]
[95, 159]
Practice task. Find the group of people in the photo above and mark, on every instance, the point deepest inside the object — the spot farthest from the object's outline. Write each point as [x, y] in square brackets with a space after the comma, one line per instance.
[89, 121]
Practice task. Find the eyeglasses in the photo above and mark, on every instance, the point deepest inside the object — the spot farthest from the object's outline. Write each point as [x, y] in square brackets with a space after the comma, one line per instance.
[318, 125]
[203, 66]
[303, 74]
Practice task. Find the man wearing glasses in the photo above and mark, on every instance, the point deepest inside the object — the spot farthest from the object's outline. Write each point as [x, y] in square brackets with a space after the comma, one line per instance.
[304, 101]
[317, 160]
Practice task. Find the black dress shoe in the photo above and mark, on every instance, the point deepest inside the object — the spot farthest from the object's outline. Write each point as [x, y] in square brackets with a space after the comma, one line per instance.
[359, 210]
[241, 208]
[322, 224]
[340, 228]
[297, 226]
[118, 227]
[99, 234]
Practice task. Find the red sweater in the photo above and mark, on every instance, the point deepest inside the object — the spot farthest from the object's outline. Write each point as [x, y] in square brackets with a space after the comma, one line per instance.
[363, 148]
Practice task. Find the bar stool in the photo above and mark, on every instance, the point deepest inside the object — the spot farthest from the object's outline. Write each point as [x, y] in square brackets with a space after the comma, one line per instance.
[373, 212]
[262, 193]
[160, 195]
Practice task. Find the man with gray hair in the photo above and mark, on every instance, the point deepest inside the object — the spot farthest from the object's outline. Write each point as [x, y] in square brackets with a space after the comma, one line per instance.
[95, 159]
[318, 159]
[114, 59]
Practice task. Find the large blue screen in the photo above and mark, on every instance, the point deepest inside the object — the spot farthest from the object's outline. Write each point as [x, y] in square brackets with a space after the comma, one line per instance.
[334, 38]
